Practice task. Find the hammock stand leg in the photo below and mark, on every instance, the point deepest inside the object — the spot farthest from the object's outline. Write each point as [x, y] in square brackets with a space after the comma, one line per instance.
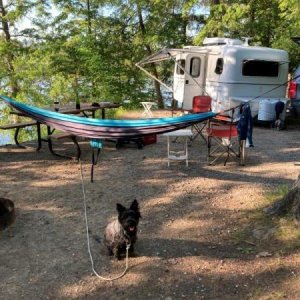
[94, 162]
[95, 144]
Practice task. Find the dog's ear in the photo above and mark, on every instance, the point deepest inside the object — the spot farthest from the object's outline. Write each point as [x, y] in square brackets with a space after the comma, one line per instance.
[120, 208]
[134, 205]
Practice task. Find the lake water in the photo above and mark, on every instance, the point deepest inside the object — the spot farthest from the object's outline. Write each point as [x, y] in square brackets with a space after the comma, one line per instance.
[5, 137]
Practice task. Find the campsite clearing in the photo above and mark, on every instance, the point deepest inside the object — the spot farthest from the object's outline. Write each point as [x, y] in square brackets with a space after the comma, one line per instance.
[202, 234]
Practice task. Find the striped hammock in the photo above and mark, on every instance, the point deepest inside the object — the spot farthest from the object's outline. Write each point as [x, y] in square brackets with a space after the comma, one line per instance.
[107, 128]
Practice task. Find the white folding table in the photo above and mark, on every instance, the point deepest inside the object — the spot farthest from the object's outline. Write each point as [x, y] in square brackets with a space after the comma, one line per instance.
[182, 154]
[147, 109]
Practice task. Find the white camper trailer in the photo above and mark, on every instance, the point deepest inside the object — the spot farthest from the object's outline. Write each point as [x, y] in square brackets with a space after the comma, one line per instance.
[228, 70]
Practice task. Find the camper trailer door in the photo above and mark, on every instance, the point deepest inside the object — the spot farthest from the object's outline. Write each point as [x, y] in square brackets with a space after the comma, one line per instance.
[189, 78]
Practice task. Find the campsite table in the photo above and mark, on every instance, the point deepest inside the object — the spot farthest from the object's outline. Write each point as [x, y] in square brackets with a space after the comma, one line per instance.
[86, 109]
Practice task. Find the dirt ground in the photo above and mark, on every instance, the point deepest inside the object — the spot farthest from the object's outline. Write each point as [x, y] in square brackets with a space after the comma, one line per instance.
[197, 239]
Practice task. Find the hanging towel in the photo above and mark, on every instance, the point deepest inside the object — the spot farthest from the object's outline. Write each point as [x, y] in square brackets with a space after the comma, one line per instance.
[245, 124]
[279, 106]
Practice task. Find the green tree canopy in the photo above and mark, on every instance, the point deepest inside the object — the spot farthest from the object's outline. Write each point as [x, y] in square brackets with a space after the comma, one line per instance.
[88, 48]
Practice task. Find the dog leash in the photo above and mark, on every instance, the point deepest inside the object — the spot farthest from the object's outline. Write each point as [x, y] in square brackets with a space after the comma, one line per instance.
[88, 236]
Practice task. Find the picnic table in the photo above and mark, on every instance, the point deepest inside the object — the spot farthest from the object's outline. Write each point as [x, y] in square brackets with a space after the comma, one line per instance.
[85, 109]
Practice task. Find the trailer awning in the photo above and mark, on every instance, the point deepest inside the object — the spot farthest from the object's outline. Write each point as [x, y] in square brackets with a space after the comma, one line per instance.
[159, 56]
[165, 54]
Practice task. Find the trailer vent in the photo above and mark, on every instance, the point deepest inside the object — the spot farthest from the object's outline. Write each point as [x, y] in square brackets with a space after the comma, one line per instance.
[221, 41]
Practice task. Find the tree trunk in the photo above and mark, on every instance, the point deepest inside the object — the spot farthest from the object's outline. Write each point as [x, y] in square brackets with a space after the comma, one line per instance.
[10, 56]
[289, 203]
[160, 103]
[88, 5]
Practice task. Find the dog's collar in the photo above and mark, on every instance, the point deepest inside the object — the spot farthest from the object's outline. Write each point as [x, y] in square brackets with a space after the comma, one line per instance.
[127, 238]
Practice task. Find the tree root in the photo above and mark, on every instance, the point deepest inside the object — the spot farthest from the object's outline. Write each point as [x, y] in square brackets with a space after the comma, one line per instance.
[289, 203]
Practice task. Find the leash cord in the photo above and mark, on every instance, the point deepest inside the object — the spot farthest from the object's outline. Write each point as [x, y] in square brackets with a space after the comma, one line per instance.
[88, 237]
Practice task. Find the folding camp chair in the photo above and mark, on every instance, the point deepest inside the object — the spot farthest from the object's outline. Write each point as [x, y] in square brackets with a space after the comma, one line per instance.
[223, 141]
[201, 104]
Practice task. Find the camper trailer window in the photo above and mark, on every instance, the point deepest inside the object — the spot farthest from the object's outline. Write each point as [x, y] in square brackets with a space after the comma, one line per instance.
[195, 67]
[180, 66]
[219, 66]
[260, 68]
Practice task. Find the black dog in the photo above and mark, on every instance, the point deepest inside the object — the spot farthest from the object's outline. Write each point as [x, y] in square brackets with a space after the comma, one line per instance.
[122, 232]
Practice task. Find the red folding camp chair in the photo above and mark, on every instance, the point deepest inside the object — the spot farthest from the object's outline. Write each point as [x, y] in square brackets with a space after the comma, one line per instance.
[201, 104]
[223, 141]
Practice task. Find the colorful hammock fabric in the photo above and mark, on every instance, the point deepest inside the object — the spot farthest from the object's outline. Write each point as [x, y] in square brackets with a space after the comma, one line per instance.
[107, 128]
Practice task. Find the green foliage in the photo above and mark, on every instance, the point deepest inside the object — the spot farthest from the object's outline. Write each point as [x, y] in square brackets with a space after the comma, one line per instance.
[290, 16]
[268, 23]
[87, 49]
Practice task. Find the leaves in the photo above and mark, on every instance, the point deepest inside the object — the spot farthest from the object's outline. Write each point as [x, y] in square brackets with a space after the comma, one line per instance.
[98, 41]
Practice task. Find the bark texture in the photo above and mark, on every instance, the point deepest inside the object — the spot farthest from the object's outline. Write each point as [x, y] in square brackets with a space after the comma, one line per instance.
[289, 203]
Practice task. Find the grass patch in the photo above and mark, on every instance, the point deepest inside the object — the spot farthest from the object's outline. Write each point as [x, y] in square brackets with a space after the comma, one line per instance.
[257, 228]
[259, 295]
[115, 113]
